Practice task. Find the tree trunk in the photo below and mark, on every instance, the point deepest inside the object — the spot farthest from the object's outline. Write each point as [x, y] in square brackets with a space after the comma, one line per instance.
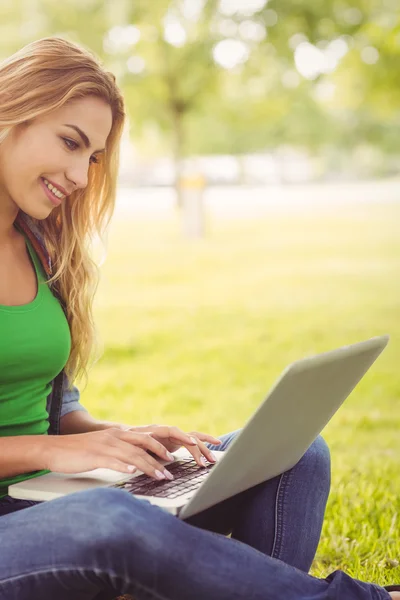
[178, 143]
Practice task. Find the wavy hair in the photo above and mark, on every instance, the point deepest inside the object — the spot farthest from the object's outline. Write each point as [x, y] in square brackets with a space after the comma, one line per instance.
[41, 77]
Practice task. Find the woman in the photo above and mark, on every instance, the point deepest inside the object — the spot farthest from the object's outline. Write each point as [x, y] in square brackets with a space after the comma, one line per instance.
[60, 125]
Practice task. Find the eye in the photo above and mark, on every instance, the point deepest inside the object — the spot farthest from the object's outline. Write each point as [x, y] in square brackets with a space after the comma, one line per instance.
[67, 142]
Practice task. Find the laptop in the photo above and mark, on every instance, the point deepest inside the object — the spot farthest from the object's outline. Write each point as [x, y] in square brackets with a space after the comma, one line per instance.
[299, 405]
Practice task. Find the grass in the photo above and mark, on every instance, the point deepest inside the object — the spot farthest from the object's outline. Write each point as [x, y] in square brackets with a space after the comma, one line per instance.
[196, 332]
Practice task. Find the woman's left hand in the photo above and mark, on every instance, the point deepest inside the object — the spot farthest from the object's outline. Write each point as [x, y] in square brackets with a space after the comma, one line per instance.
[173, 438]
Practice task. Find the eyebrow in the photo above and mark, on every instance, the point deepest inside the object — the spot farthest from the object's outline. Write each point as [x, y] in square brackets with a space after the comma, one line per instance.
[83, 136]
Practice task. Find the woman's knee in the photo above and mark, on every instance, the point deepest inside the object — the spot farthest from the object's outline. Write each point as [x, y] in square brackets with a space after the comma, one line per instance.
[317, 460]
[226, 440]
[315, 463]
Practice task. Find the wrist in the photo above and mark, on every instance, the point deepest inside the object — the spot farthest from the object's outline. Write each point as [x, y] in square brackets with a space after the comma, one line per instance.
[39, 451]
[108, 424]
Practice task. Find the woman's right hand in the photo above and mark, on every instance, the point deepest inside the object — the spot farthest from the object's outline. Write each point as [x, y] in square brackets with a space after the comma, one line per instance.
[113, 448]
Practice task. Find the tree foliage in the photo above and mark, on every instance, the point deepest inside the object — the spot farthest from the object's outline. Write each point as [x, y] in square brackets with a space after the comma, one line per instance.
[180, 97]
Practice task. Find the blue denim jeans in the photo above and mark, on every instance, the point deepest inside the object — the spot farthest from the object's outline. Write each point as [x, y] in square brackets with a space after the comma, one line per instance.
[100, 543]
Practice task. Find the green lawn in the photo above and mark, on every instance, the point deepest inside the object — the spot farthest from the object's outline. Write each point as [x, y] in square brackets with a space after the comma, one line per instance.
[195, 333]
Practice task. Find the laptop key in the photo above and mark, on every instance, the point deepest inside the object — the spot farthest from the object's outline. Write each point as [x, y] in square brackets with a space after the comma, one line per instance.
[187, 477]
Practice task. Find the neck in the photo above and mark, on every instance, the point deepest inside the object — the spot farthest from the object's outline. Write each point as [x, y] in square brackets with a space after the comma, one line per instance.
[8, 213]
[8, 233]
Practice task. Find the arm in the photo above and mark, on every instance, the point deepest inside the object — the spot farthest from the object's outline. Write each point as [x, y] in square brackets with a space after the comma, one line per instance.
[75, 418]
[90, 448]
[27, 453]
[21, 454]
[79, 421]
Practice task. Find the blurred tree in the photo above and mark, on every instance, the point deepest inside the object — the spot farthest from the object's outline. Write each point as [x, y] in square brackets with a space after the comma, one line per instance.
[357, 46]
[233, 76]
[170, 71]
[209, 82]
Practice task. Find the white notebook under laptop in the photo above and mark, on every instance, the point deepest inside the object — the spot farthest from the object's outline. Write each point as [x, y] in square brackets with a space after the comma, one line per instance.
[300, 404]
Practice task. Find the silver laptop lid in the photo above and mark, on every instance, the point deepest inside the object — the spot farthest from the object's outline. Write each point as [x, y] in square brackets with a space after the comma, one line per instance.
[298, 407]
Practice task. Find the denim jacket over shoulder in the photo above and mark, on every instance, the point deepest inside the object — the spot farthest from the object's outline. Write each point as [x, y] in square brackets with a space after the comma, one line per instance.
[61, 399]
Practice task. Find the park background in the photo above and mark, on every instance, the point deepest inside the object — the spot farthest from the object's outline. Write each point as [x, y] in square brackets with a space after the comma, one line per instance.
[256, 223]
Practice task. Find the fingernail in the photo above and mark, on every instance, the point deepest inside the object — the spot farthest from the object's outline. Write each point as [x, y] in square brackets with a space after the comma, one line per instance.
[193, 440]
[170, 456]
[213, 456]
[131, 468]
[203, 461]
[168, 474]
[159, 475]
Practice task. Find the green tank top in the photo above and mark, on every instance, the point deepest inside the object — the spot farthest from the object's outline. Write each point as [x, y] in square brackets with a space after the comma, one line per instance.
[35, 343]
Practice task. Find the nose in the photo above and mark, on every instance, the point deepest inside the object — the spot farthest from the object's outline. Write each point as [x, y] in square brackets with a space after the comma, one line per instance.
[78, 175]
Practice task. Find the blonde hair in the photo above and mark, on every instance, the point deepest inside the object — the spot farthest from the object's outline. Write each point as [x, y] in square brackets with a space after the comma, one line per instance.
[40, 77]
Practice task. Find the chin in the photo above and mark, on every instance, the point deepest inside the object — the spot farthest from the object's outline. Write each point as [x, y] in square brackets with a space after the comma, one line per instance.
[38, 212]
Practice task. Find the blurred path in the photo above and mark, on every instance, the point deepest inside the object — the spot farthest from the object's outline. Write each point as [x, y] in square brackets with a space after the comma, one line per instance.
[249, 202]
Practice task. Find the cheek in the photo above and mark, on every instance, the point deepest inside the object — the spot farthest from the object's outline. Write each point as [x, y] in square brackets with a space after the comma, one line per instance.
[44, 166]
[41, 156]
[27, 161]
[28, 158]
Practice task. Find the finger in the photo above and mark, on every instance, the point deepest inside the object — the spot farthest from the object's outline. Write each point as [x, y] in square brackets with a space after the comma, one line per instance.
[205, 437]
[145, 428]
[199, 451]
[151, 467]
[174, 433]
[207, 452]
[197, 454]
[106, 462]
[145, 441]
[196, 436]
[144, 462]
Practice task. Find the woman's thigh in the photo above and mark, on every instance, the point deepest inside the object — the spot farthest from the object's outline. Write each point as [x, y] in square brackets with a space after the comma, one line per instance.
[70, 547]
[89, 542]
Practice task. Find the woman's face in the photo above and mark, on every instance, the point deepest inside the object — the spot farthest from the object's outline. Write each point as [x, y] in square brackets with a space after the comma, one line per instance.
[48, 148]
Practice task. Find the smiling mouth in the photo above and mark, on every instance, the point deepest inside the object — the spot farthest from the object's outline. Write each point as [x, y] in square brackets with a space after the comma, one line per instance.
[52, 197]
[55, 187]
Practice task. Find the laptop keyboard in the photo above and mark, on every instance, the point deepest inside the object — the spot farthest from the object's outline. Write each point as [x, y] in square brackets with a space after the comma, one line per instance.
[187, 473]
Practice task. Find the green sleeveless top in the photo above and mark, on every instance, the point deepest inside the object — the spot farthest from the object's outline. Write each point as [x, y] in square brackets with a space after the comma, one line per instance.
[35, 343]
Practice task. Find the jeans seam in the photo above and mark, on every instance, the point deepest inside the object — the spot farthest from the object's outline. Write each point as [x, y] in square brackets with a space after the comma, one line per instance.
[376, 590]
[279, 511]
[137, 586]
